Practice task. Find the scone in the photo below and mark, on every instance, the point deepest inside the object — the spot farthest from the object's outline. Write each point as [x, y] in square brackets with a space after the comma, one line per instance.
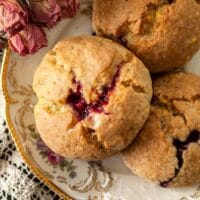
[167, 150]
[164, 34]
[94, 96]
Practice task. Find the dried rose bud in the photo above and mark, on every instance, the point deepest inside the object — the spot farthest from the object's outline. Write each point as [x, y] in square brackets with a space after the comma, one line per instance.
[28, 41]
[69, 7]
[45, 12]
[13, 17]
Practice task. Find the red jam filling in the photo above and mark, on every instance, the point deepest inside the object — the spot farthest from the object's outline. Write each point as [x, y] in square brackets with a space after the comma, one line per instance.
[79, 104]
[194, 137]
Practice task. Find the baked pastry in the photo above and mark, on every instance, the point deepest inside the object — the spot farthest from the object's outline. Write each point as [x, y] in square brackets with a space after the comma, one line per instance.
[164, 34]
[94, 97]
[167, 150]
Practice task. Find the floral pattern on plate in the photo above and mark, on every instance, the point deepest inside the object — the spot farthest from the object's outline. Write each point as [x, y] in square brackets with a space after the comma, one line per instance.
[106, 180]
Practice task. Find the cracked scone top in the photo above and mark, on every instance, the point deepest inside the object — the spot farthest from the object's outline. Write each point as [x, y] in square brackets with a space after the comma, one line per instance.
[167, 150]
[164, 34]
[94, 97]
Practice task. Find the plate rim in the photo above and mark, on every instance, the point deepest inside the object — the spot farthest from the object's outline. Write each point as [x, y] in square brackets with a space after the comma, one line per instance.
[13, 132]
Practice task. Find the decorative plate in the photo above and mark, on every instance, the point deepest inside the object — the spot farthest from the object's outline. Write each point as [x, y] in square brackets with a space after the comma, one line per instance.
[72, 179]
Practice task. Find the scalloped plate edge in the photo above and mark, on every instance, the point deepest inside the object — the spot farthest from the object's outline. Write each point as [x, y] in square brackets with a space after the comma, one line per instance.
[13, 132]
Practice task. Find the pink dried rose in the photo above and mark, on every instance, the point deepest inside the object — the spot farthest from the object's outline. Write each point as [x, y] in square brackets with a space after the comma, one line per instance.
[28, 41]
[69, 8]
[12, 16]
[54, 158]
[45, 12]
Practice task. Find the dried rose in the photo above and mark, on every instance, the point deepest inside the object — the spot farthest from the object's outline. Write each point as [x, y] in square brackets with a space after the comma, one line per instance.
[45, 12]
[29, 40]
[12, 16]
[69, 7]
[54, 158]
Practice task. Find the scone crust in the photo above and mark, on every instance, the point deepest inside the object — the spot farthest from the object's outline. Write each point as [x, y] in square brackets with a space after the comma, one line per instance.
[163, 34]
[167, 150]
[94, 65]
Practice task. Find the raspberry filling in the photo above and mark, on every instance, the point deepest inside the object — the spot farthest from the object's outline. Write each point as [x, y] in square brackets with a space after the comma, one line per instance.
[194, 137]
[79, 104]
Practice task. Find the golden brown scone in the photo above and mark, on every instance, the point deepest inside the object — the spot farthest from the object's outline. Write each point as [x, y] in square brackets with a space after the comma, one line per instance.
[164, 34]
[94, 97]
[167, 150]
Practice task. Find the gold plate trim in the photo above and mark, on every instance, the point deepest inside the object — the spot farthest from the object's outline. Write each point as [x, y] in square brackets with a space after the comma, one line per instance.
[15, 137]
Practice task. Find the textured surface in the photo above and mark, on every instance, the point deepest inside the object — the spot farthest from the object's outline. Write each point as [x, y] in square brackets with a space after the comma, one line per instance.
[89, 94]
[125, 184]
[163, 34]
[16, 180]
[169, 142]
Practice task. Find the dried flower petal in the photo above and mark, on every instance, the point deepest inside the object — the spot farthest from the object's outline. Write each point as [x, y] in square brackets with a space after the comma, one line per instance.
[28, 41]
[45, 12]
[12, 16]
[69, 7]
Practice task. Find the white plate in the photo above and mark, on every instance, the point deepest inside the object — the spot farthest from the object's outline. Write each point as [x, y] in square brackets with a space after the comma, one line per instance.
[107, 180]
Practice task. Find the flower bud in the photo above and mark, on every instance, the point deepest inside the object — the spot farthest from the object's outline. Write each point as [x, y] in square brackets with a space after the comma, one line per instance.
[45, 12]
[69, 7]
[29, 40]
[13, 17]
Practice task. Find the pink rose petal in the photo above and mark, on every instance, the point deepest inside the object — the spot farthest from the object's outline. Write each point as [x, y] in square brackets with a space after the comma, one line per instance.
[28, 41]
